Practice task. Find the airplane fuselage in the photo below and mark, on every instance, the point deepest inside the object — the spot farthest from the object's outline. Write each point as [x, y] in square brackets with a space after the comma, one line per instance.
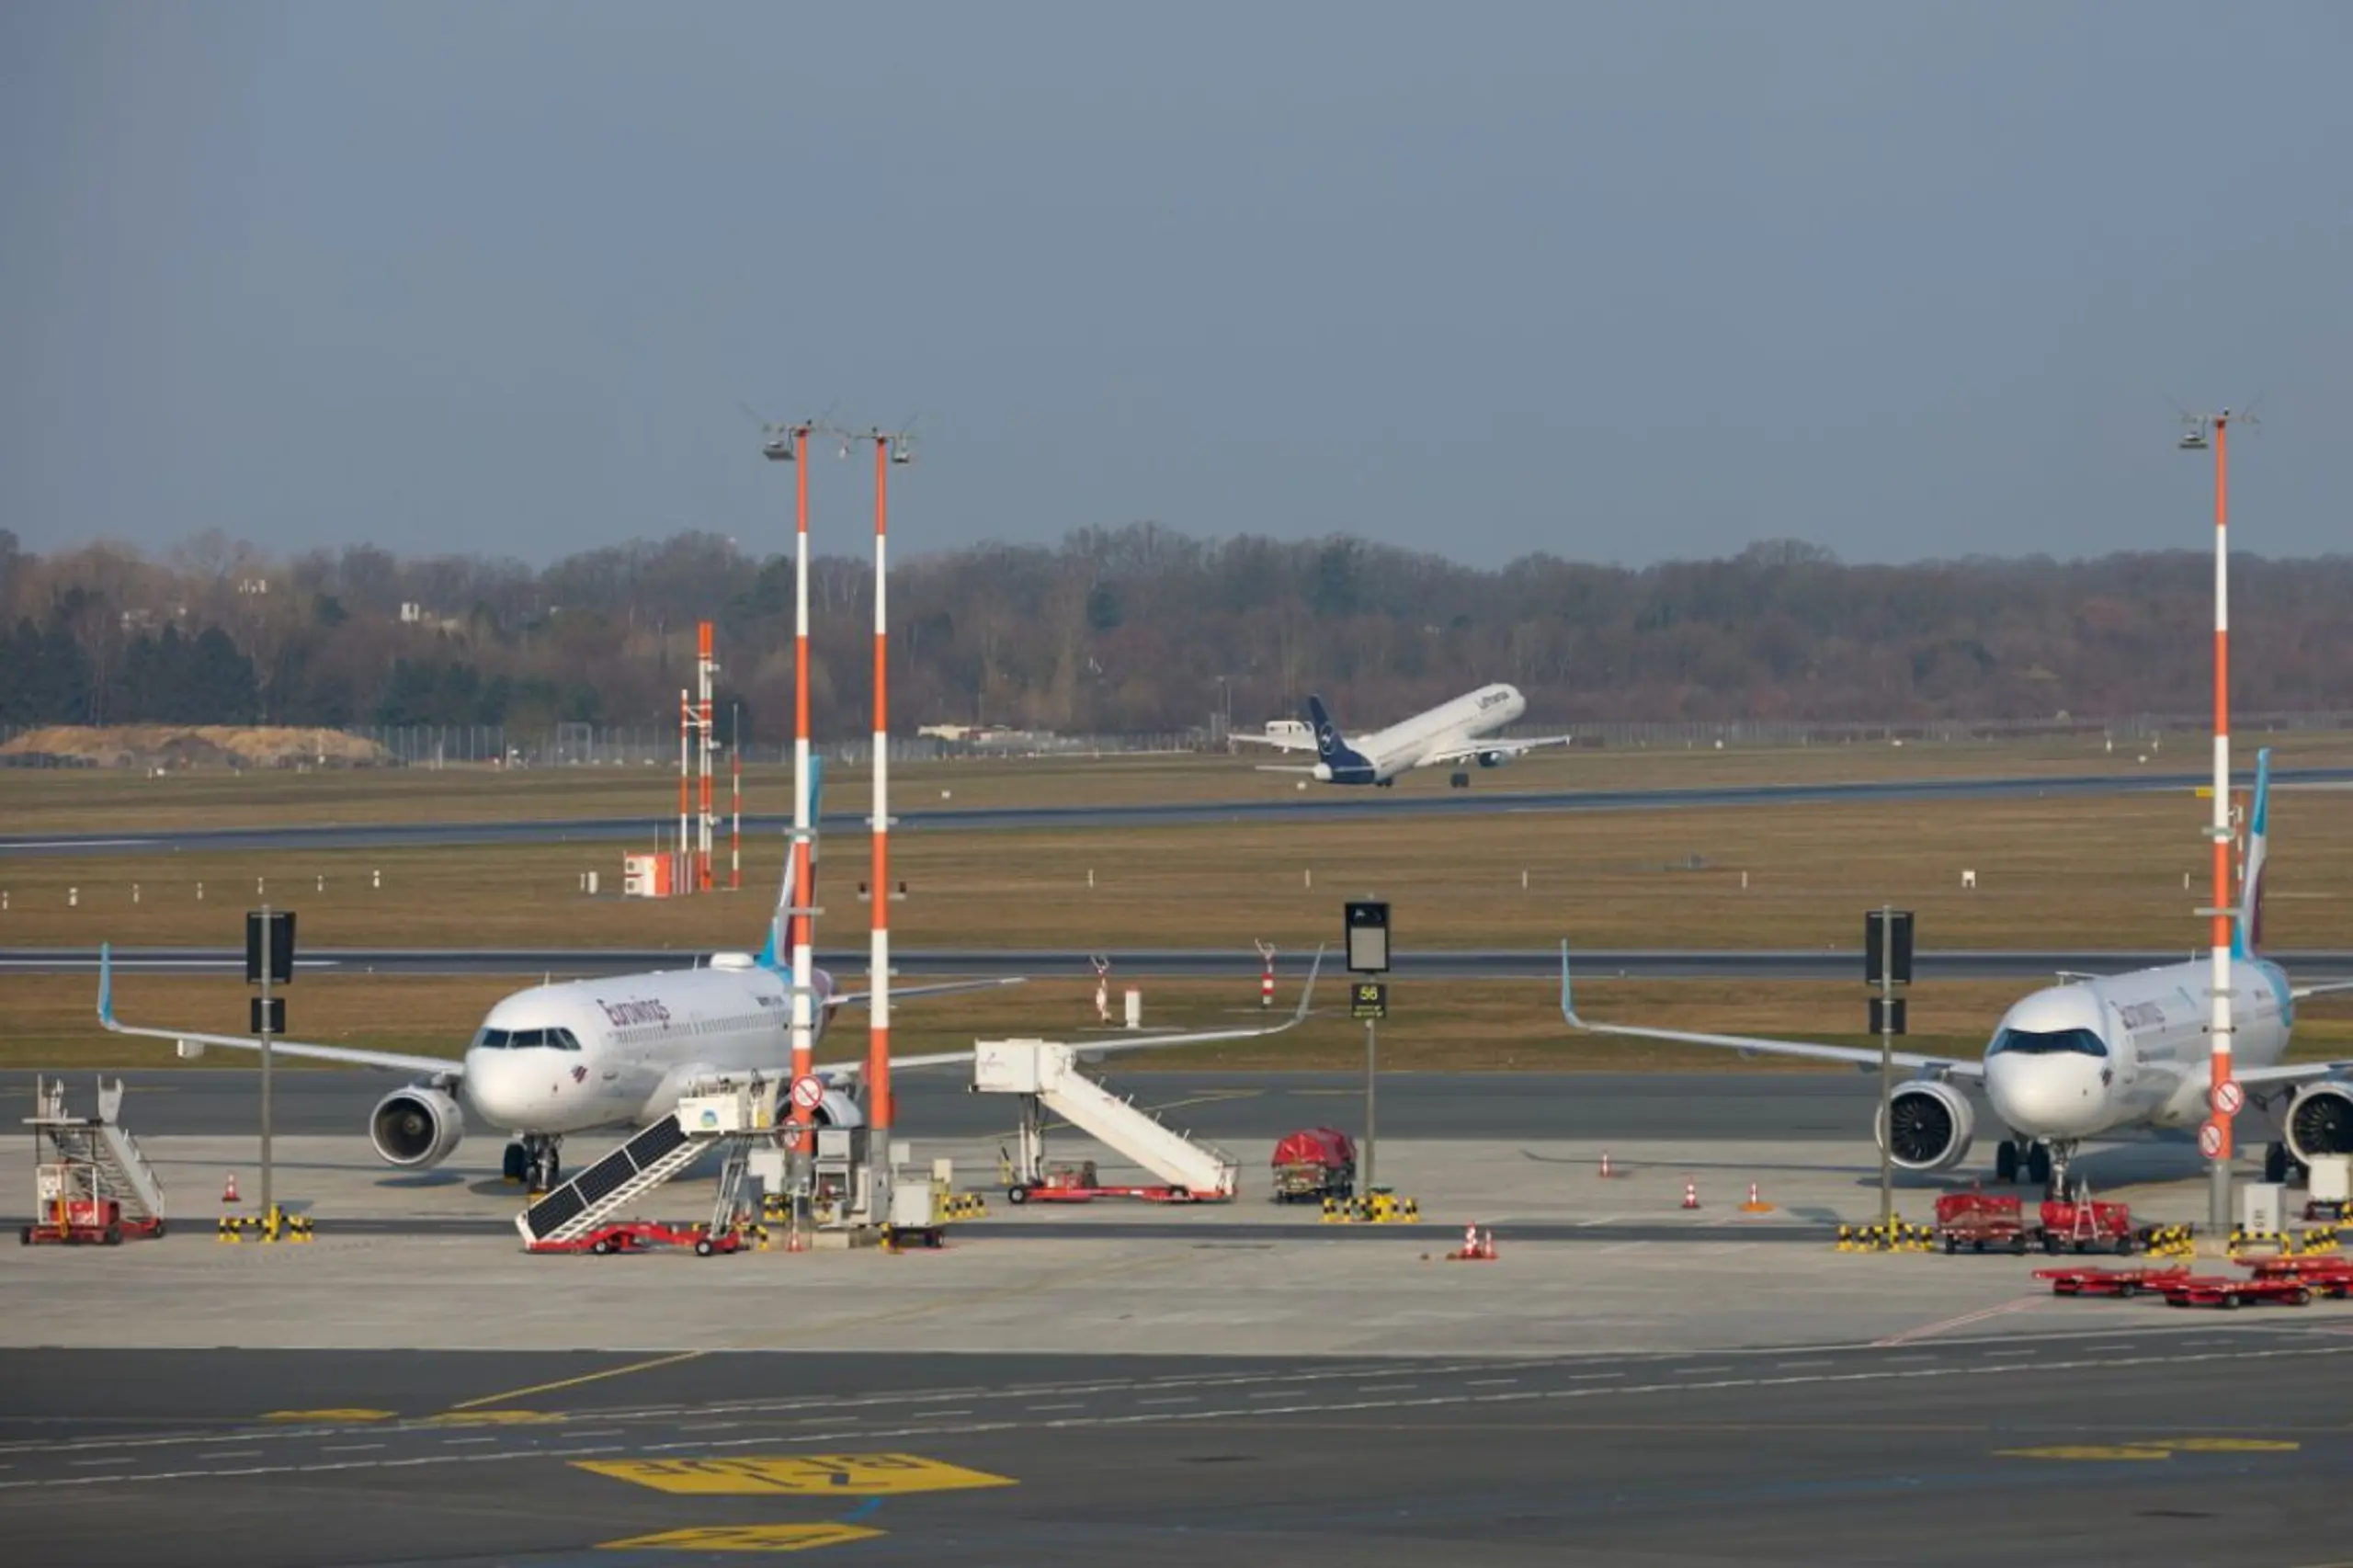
[592, 1053]
[2096, 1056]
[1449, 727]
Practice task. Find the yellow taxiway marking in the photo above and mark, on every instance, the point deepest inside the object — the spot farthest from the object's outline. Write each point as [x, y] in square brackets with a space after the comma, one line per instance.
[743, 1538]
[464, 1417]
[2153, 1449]
[798, 1475]
[583, 1378]
[329, 1416]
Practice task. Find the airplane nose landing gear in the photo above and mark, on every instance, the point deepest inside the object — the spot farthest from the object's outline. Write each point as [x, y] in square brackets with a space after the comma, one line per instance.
[534, 1159]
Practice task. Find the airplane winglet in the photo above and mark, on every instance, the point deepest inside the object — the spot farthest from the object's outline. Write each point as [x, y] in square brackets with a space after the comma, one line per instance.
[1568, 1005]
[106, 983]
[1307, 992]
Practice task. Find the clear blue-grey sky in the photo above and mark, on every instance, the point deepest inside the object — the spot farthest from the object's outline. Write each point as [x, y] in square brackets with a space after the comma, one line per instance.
[1621, 282]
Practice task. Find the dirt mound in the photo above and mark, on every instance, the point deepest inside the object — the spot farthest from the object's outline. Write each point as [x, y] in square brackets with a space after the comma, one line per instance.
[190, 745]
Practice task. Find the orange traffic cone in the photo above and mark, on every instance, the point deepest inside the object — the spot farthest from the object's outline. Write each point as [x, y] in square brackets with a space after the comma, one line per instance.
[1755, 1205]
[1470, 1241]
[1606, 1172]
[228, 1189]
[1690, 1194]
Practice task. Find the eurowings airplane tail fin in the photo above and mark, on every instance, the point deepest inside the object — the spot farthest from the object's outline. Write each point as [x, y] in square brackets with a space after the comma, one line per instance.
[2246, 938]
[776, 953]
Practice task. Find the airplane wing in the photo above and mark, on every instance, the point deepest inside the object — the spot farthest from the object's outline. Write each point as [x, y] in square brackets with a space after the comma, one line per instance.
[945, 988]
[1280, 743]
[1473, 751]
[1852, 1055]
[2325, 988]
[839, 1072]
[435, 1066]
[1282, 768]
[2289, 1072]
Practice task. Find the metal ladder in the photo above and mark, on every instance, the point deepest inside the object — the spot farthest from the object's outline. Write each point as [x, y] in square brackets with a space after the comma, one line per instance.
[656, 1153]
[100, 1142]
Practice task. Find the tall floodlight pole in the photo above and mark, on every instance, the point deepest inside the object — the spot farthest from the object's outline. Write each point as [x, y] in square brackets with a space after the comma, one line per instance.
[888, 448]
[2215, 1138]
[792, 445]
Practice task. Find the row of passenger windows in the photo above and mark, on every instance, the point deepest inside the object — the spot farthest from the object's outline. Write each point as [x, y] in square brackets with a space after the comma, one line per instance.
[525, 1039]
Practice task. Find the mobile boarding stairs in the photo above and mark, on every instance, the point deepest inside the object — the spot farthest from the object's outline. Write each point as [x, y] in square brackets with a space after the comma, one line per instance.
[1044, 1076]
[585, 1210]
[92, 1174]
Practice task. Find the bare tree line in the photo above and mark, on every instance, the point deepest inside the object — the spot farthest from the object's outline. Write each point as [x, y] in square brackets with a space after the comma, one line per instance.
[1143, 628]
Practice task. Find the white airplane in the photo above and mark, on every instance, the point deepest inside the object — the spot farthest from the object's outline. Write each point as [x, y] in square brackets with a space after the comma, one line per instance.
[617, 1053]
[1456, 732]
[2102, 1055]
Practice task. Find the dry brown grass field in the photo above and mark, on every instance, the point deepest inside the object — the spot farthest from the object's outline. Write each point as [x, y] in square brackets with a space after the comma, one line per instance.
[107, 800]
[2065, 872]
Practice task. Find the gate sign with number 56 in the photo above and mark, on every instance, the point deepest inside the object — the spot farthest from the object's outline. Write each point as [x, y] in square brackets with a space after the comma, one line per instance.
[809, 1093]
[2229, 1097]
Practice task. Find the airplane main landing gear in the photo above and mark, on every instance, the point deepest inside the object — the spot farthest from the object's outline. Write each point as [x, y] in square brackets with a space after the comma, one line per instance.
[534, 1159]
[1459, 782]
[2019, 1161]
[2280, 1164]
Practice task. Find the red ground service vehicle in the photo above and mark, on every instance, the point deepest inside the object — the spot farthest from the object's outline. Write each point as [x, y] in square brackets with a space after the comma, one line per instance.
[1313, 1164]
[1976, 1221]
[87, 1221]
[1080, 1184]
[2087, 1226]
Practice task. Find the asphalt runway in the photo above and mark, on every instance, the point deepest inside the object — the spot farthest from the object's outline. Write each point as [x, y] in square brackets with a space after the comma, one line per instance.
[1797, 1106]
[1326, 805]
[2217, 1441]
[1176, 963]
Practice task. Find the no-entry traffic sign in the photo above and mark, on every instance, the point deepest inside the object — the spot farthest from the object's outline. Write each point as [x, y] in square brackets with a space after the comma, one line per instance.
[809, 1093]
[2229, 1097]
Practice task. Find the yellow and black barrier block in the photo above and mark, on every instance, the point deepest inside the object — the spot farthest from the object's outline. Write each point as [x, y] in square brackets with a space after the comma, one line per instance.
[963, 1206]
[1900, 1236]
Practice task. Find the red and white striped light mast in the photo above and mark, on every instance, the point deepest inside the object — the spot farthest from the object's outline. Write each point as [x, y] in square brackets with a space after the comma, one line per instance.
[2215, 1138]
[791, 444]
[888, 448]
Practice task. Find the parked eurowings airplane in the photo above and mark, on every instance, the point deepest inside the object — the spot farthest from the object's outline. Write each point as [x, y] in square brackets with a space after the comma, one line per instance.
[617, 1053]
[1457, 732]
[2099, 1056]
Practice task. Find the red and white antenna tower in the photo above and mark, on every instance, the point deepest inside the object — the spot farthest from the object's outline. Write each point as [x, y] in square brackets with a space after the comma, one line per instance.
[791, 444]
[2216, 1137]
[891, 448]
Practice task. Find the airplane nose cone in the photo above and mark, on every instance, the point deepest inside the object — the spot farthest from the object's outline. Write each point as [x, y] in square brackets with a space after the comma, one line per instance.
[2046, 1096]
[499, 1088]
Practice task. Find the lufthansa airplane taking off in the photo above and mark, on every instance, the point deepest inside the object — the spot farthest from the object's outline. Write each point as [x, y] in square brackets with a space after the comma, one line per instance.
[617, 1053]
[2100, 1056]
[1451, 732]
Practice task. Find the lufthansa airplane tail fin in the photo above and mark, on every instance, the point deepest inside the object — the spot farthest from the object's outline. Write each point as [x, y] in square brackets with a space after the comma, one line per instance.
[2246, 938]
[1332, 748]
[776, 953]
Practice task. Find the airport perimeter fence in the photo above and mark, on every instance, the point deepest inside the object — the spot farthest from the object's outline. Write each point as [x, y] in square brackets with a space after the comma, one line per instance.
[650, 745]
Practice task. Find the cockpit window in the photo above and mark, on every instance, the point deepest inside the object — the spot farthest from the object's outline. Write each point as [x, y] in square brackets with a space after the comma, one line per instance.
[2033, 1042]
[527, 1039]
[491, 1040]
[564, 1039]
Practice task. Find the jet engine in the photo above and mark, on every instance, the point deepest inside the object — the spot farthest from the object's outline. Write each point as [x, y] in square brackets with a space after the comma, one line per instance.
[1494, 758]
[1934, 1124]
[838, 1109]
[416, 1127]
[2320, 1120]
